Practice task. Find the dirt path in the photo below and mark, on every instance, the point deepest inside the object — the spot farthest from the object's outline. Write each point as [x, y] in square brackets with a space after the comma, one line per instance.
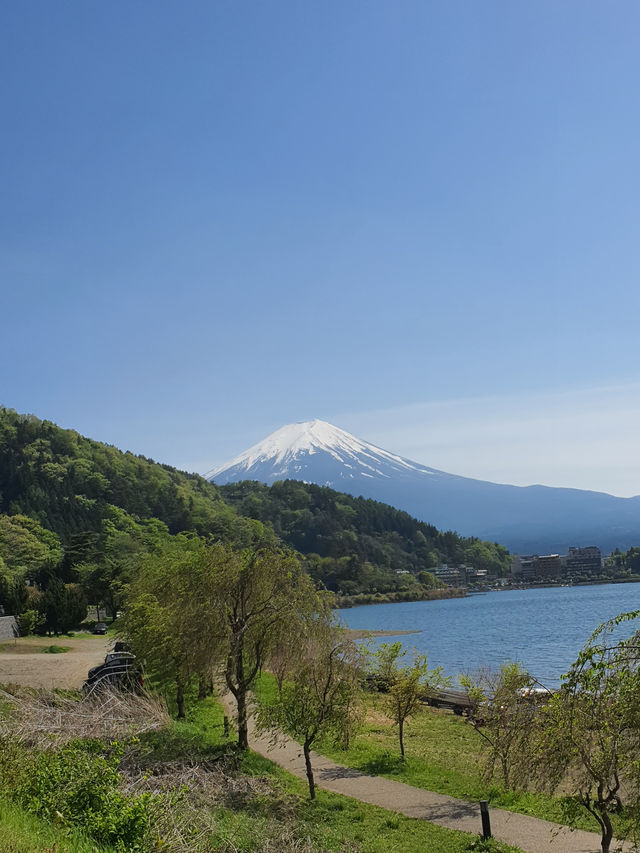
[25, 663]
[530, 834]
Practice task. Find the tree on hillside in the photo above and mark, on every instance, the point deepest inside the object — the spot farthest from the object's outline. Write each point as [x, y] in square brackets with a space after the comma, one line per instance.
[320, 696]
[26, 547]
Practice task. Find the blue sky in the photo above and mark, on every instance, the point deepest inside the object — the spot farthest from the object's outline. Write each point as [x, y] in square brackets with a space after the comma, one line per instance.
[416, 220]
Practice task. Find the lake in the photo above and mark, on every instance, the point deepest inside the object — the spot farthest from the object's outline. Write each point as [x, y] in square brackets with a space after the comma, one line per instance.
[542, 629]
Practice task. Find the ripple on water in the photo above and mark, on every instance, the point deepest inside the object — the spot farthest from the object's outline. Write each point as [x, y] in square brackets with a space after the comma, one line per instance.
[542, 629]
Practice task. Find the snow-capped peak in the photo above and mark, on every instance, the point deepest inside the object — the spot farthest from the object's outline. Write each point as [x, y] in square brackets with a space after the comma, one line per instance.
[309, 437]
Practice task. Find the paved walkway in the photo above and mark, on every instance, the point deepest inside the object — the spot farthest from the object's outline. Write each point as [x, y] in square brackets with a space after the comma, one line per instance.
[528, 833]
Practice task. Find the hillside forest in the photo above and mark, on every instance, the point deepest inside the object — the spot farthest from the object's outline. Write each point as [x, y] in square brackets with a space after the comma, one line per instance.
[78, 517]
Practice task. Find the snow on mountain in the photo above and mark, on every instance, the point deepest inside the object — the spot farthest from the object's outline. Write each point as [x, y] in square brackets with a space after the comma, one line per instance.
[530, 519]
[293, 442]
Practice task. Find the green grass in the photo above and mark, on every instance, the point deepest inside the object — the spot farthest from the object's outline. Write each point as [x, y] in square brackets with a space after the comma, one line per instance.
[55, 650]
[443, 754]
[21, 832]
[331, 823]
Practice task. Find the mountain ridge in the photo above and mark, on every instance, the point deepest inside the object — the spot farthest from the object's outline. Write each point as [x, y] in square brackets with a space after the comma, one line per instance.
[527, 519]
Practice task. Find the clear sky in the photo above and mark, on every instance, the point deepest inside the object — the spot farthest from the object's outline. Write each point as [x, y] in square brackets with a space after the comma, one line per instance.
[417, 220]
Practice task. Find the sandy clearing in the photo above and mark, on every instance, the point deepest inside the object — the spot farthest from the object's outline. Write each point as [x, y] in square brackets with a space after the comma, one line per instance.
[68, 670]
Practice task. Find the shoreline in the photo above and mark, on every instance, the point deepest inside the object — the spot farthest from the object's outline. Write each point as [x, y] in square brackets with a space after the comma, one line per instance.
[362, 634]
[346, 602]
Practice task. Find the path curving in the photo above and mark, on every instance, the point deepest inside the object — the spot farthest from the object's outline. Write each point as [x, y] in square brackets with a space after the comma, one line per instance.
[530, 834]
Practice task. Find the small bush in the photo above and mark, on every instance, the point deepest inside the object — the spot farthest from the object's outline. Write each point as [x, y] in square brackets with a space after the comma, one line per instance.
[55, 650]
[28, 622]
[76, 785]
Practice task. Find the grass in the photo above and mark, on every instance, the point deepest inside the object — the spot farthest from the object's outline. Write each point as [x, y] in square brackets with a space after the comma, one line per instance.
[443, 754]
[36, 644]
[331, 823]
[21, 832]
[55, 650]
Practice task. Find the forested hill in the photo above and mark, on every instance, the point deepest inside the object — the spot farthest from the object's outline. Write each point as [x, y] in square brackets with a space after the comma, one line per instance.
[74, 486]
[85, 513]
[356, 544]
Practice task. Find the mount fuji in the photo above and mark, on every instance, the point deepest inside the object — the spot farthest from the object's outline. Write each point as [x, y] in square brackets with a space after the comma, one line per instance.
[527, 519]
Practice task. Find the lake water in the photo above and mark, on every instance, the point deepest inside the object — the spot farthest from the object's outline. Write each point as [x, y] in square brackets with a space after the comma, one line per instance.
[542, 629]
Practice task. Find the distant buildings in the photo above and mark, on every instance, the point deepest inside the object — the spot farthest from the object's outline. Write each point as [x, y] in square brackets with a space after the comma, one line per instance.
[460, 576]
[584, 561]
[577, 563]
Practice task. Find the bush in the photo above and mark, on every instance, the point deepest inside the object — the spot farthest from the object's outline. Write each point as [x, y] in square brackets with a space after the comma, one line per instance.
[76, 785]
[27, 622]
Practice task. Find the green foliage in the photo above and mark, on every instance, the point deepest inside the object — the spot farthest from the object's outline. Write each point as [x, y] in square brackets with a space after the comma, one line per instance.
[589, 732]
[406, 684]
[21, 832]
[172, 617]
[26, 547]
[86, 493]
[27, 622]
[503, 713]
[266, 599]
[61, 607]
[627, 560]
[354, 545]
[76, 785]
[319, 692]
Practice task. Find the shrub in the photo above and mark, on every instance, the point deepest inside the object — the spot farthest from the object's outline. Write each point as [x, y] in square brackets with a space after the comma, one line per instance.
[27, 622]
[76, 785]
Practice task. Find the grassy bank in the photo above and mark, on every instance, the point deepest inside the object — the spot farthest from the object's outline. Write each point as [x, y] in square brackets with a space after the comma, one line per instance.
[443, 754]
[21, 832]
[199, 795]
[282, 817]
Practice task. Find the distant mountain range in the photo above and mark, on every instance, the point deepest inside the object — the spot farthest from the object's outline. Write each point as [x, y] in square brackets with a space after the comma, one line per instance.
[527, 519]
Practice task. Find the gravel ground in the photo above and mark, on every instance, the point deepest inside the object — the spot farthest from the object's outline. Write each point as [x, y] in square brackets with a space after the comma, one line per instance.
[33, 668]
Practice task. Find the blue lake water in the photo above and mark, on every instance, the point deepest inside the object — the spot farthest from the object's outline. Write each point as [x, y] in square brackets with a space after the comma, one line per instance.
[542, 629]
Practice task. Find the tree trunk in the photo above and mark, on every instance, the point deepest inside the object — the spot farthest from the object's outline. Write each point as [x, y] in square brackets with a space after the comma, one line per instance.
[243, 728]
[401, 736]
[180, 698]
[505, 772]
[202, 686]
[307, 760]
[607, 831]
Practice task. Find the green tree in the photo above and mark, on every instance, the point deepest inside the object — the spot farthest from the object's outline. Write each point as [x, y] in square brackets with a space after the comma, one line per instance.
[321, 695]
[502, 708]
[261, 594]
[61, 606]
[26, 547]
[407, 685]
[172, 615]
[589, 732]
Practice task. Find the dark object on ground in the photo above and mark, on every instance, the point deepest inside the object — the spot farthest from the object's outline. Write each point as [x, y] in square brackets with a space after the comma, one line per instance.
[120, 670]
[457, 700]
[100, 628]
